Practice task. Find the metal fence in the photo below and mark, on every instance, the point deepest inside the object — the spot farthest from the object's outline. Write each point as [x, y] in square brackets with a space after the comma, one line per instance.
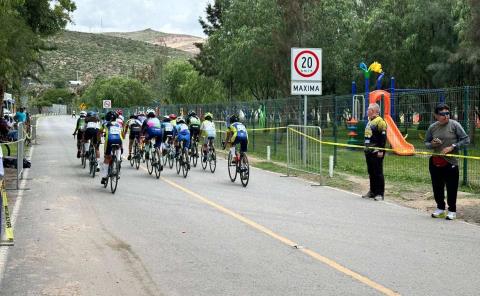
[412, 111]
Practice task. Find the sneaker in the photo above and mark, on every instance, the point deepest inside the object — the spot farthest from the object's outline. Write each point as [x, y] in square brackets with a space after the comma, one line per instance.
[129, 157]
[451, 216]
[103, 181]
[439, 213]
[369, 194]
[78, 154]
[378, 197]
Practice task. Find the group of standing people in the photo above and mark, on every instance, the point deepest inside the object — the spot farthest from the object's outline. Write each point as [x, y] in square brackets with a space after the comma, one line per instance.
[445, 137]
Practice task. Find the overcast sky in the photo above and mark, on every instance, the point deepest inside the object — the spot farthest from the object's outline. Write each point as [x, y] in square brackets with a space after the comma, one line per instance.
[170, 16]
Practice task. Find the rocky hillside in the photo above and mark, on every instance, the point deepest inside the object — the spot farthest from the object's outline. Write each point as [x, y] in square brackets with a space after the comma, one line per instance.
[90, 55]
[177, 41]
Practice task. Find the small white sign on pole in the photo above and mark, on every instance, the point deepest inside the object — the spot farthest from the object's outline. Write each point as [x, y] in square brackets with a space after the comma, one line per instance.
[107, 104]
[306, 71]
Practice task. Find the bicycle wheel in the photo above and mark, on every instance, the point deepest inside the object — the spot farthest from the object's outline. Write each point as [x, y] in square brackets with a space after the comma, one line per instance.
[178, 164]
[165, 157]
[148, 159]
[84, 159]
[244, 170]
[212, 159]
[171, 157]
[186, 164]
[194, 156]
[205, 163]
[114, 175]
[158, 163]
[94, 170]
[232, 168]
[108, 174]
[132, 158]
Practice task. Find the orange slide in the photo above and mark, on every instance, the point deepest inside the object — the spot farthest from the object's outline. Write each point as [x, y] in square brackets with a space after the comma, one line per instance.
[394, 136]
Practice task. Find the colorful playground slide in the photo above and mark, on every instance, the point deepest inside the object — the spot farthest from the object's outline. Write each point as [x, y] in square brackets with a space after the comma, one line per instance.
[399, 145]
[396, 140]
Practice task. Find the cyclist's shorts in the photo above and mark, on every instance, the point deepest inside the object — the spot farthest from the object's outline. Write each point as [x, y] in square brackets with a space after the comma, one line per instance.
[243, 143]
[208, 139]
[194, 130]
[134, 134]
[80, 136]
[185, 138]
[109, 143]
[91, 135]
[166, 135]
[154, 132]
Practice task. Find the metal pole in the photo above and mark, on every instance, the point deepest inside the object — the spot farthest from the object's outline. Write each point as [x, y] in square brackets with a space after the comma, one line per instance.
[304, 130]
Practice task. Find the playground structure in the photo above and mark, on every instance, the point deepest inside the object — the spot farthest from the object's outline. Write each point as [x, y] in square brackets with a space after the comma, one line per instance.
[399, 145]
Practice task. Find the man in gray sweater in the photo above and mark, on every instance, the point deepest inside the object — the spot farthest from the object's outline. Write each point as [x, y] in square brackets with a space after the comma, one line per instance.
[445, 136]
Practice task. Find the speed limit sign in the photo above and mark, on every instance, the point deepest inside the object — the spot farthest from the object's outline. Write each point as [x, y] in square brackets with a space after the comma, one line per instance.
[306, 71]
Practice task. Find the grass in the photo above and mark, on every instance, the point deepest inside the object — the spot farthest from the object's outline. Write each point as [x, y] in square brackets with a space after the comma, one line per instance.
[98, 54]
[404, 169]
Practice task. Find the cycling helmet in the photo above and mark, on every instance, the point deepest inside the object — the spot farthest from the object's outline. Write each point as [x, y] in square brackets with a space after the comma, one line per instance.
[110, 116]
[133, 116]
[150, 113]
[180, 120]
[119, 112]
[192, 113]
[208, 116]
[83, 113]
[172, 116]
[90, 114]
[234, 118]
[166, 118]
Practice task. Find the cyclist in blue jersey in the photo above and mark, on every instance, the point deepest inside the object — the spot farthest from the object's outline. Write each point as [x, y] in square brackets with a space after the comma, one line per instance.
[182, 133]
[236, 134]
[113, 135]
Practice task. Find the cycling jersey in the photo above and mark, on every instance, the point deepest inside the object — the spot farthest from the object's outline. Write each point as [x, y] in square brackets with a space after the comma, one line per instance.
[193, 121]
[81, 124]
[183, 134]
[153, 129]
[208, 129]
[239, 135]
[113, 135]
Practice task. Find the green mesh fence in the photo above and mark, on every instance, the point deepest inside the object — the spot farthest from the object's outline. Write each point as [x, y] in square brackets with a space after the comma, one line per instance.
[412, 113]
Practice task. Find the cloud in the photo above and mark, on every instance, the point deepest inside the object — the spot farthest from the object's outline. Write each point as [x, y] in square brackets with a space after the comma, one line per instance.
[177, 16]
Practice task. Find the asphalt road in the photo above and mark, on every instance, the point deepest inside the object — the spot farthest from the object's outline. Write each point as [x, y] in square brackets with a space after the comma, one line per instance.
[207, 236]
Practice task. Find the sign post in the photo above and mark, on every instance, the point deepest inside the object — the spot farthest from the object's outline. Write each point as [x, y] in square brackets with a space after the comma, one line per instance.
[306, 78]
[107, 104]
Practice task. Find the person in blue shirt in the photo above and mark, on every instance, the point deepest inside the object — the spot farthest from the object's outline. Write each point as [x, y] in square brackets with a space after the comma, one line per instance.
[21, 116]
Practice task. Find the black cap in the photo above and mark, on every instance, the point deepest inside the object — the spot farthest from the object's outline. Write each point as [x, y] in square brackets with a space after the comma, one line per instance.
[440, 107]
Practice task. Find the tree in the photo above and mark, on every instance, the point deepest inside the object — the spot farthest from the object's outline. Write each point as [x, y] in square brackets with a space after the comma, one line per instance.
[121, 91]
[23, 25]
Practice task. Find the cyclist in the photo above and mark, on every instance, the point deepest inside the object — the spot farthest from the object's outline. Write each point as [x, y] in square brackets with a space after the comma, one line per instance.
[74, 115]
[79, 130]
[236, 134]
[135, 127]
[141, 116]
[167, 130]
[173, 119]
[113, 135]
[193, 123]
[91, 133]
[152, 128]
[120, 118]
[182, 133]
[207, 130]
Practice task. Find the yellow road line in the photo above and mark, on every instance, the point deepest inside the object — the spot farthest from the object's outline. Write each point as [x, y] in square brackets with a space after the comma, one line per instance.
[316, 256]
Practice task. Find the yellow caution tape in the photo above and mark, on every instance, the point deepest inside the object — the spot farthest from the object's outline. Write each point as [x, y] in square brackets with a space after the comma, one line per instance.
[8, 223]
[383, 149]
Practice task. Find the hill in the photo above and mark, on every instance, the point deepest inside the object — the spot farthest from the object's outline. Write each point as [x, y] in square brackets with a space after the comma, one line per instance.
[98, 54]
[177, 41]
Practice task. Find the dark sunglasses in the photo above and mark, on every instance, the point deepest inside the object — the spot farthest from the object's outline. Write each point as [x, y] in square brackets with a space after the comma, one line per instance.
[444, 113]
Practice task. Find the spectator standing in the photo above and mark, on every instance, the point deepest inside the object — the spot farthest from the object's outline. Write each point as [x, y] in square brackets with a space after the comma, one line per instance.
[21, 116]
[445, 136]
[375, 137]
